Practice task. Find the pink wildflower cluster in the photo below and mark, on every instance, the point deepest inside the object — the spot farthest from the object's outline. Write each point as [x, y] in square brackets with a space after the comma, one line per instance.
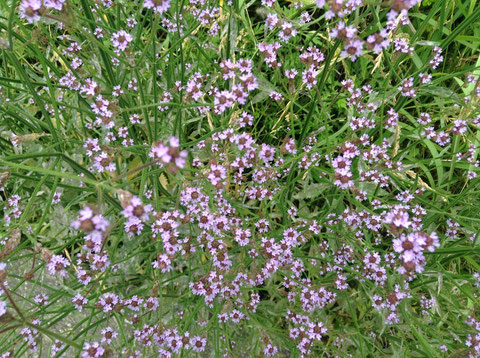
[297, 183]
[158, 6]
[33, 10]
[411, 248]
[121, 39]
[169, 154]
[437, 58]
[241, 73]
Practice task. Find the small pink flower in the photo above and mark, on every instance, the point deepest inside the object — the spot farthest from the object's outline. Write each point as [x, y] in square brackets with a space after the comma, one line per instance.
[158, 6]
[121, 39]
[29, 10]
[93, 350]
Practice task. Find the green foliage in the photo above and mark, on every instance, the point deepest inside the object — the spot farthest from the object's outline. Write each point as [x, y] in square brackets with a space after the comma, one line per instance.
[65, 82]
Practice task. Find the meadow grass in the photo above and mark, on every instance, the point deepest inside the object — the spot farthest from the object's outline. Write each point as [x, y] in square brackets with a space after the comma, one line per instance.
[206, 178]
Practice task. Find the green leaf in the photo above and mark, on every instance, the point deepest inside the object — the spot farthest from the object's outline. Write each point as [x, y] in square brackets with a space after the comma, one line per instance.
[312, 191]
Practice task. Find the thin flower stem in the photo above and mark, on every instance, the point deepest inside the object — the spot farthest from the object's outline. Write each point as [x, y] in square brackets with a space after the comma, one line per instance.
[134, 170]
[54, 335]
[11, 327]
[56, 173]
[10, 298]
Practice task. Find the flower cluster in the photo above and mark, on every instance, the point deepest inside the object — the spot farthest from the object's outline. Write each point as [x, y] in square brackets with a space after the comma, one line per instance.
[169, 154]
[185, 177]
[33, 10]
